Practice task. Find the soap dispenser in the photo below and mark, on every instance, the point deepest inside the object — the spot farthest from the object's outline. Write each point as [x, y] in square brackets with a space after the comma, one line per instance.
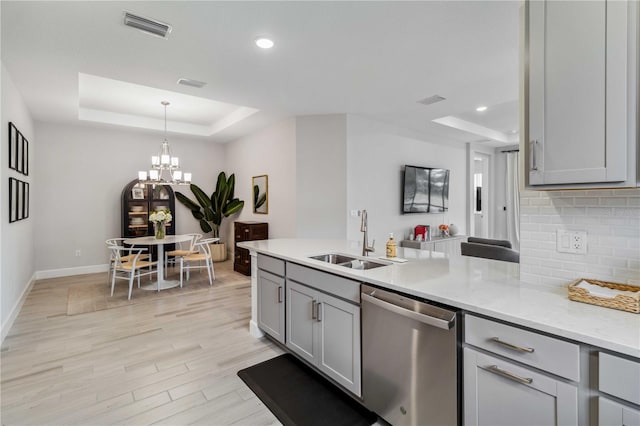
[391, 246]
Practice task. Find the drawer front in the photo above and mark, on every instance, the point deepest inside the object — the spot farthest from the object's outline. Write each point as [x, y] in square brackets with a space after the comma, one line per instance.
[242, 255]
[613, 414]
[259, 232]
[619, 377]
[242, 268]
[241, 232]
[546, 353]
[251, 231]
[271, 264]
[332, 284]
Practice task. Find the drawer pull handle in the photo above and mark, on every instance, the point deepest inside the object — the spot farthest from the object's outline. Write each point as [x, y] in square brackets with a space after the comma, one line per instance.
[319, 311]
[313, 309]
[280, 294]
[504, 373]
[512, 346]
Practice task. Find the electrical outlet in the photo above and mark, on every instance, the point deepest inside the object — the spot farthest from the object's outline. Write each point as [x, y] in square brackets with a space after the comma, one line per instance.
[78, 253]
[571, 241]
[355, 213]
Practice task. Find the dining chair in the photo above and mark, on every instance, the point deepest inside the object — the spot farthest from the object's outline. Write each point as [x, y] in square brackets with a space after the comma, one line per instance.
[119, 242]
[195, 261]
[133, 268]
[185, 248]
[489, 251]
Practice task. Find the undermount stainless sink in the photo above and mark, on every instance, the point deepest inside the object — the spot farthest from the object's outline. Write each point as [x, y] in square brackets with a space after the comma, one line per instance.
[348, 261]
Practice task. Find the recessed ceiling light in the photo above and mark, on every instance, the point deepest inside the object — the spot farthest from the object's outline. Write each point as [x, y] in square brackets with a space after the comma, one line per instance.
[481, 108]
[264, 43]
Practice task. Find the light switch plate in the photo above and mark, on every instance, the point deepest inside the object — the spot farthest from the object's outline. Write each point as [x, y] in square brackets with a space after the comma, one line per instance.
[571, 241]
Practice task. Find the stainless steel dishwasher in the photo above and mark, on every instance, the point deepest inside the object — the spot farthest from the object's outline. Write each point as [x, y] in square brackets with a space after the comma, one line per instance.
[410, 359]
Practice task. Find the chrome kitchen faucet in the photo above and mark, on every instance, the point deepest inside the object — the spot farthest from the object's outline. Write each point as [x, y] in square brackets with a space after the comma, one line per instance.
[366, 249]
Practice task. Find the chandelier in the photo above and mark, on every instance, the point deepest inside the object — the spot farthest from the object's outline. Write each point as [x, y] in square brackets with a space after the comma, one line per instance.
[165, 168]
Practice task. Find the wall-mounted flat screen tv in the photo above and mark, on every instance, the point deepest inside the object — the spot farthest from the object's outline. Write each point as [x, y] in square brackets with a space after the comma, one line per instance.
[426, 190]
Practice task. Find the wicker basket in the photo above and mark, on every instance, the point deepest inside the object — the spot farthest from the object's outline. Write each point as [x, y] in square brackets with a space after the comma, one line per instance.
[621, 302]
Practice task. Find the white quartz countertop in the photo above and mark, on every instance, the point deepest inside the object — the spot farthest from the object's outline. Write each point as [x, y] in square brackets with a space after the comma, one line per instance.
[483, 286]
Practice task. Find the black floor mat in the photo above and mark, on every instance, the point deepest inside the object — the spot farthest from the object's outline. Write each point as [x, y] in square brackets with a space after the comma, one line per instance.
[297, 395]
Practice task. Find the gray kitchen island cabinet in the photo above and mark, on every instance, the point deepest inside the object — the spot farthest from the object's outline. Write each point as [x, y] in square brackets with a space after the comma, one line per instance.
[611, 413]
[618, 377]
[324, 329]
[271, 304]
[581, 85]
[271, 293]
[497, 392]
[517, 390]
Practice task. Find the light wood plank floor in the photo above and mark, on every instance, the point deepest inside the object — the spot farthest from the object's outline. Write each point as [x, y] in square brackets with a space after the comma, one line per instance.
[168, 360]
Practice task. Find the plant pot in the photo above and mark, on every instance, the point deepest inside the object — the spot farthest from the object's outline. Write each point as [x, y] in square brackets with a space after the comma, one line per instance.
[218, 252]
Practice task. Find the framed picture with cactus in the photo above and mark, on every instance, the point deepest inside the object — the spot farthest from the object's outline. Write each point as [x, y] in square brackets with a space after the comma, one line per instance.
[260, 186]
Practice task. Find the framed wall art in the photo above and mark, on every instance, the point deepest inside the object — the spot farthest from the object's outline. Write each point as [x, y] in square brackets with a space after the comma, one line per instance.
[260, 194]
[13, 200]
[24, 157]
[18, 151]
[18, 200]
[13, 147]
[25, 200]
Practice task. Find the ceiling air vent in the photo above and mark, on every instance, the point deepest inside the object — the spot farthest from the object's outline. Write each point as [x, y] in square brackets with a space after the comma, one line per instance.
[147, 25]
[192, 83]
[431, 100]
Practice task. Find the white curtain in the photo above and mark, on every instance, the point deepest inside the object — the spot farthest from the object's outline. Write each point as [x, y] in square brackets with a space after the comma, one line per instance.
[513, 200]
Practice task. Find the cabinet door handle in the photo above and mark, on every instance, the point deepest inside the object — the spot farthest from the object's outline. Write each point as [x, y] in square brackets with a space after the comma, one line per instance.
[504, 373]
[512, 346]
[280, 294]
[319, 311]
[534, 161]
[313, 309]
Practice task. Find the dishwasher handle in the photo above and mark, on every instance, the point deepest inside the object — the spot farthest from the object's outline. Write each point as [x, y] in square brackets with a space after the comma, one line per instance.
[417, 316]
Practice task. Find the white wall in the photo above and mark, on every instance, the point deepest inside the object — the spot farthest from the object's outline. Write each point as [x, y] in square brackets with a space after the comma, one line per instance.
[270, 151]
[611, 219]
[78, 193]
[499, 196]
[376, 154]
[17, 264]
[321, 174]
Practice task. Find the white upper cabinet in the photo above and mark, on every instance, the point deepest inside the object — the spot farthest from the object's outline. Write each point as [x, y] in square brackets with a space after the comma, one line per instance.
[581, 92]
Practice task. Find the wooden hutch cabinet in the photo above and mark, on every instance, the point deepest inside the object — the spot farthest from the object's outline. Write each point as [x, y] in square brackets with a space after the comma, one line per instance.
[247, 231]
[138, 201]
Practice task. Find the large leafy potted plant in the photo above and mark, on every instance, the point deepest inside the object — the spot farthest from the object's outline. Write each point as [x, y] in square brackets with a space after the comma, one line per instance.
[211, 210]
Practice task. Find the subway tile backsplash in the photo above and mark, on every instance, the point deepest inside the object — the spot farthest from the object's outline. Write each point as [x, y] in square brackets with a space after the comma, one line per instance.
[611, 219]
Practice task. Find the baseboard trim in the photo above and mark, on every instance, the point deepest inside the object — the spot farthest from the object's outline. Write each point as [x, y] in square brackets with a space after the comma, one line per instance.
[66, 272]
[16, 309]
[254, 330]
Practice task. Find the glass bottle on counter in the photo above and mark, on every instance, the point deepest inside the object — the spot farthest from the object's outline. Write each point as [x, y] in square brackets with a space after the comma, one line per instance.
[391, 246]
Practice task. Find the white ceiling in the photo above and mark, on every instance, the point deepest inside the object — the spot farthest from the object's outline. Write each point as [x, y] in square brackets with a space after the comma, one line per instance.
[104, 100]
[371, 58]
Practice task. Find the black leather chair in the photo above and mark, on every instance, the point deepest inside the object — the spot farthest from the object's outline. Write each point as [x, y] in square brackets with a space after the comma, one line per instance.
[490, 249]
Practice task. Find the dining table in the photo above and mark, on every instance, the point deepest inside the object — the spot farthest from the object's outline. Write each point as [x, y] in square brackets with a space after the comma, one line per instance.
[161, 283]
